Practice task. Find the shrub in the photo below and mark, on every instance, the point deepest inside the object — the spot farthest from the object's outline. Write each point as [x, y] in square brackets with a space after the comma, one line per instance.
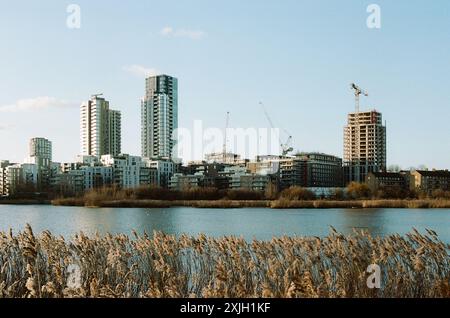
[201, 194]
[357, 190]
[392, 192]
[243, 194]
[97, 196]
[297, 193]
[440, 194]
[338, 194]
[271, 192]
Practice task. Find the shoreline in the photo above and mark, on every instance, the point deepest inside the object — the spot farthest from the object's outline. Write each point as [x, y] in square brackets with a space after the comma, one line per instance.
[25, 202]
[236, 204]
[271, 204]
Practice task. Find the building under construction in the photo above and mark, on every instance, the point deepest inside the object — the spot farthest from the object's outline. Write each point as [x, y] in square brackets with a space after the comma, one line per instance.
[364, 145]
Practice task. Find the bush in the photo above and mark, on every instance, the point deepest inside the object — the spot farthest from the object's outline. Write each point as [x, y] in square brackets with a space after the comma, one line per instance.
[97, 196]
[243, 194]
[201, 194]
[297, 193]
[338, 195]
[271, 191]
[393, 192]
[154, 193]
[357, 190]
[440, 194]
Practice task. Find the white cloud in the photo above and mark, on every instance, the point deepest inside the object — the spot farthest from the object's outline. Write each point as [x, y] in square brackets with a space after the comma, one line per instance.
[37, 103]
[183, 33]
[141, 71]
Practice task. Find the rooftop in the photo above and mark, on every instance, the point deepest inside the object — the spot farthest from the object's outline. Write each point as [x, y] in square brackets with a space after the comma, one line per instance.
[387, 174]
[434, 173]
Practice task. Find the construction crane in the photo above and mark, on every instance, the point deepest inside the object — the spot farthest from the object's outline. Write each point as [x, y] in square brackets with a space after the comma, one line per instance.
[224, 152]
[96, 95]
[286, 147]
[358, 92]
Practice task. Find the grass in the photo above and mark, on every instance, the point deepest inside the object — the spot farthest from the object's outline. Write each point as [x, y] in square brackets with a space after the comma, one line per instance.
[415, 265]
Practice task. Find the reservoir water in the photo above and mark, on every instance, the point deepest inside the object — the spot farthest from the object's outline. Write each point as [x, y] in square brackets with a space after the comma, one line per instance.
[259, 223]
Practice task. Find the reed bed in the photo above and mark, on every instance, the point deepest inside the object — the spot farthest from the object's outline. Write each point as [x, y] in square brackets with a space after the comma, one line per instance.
[360, 204]
[408, 204]
[290, 198]
[274, 204]
[414, 265]
[213, 204]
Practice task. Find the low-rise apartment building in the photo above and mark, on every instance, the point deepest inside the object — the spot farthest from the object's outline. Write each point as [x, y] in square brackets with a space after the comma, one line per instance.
[165, 168]
[126, 170]
[11, 176]
[379, 180]
[427, 181]
[254, 182]
[183, 182]
[309, 170]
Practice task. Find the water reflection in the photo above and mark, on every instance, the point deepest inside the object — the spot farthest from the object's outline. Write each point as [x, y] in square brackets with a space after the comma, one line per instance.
[256, 223]
[370, 220]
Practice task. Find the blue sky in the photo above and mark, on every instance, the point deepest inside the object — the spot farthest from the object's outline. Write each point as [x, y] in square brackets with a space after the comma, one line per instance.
[299, 57]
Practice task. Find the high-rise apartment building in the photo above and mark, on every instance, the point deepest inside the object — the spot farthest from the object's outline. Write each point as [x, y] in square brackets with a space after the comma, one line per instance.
[115, 124]
[36, 169]
[4, 177]
[100, 128]
[159, 116]
[11, 176]
[40, 152]
[367, 152]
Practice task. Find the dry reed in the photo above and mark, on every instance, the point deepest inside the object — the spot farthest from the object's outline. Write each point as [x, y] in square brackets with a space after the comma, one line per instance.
[415, 265]
[349, 204]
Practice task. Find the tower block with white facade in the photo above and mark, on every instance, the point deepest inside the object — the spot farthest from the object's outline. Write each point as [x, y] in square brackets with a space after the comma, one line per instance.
[159, 116]
[100, 128]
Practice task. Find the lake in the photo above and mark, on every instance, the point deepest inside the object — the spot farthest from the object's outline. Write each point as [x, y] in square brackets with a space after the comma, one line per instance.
[259, 223]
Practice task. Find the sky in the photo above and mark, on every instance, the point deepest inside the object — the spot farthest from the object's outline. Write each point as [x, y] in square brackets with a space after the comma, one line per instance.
[298, 57]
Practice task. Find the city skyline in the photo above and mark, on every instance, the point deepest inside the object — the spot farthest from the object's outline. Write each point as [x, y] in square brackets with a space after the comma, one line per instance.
[405, 75]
